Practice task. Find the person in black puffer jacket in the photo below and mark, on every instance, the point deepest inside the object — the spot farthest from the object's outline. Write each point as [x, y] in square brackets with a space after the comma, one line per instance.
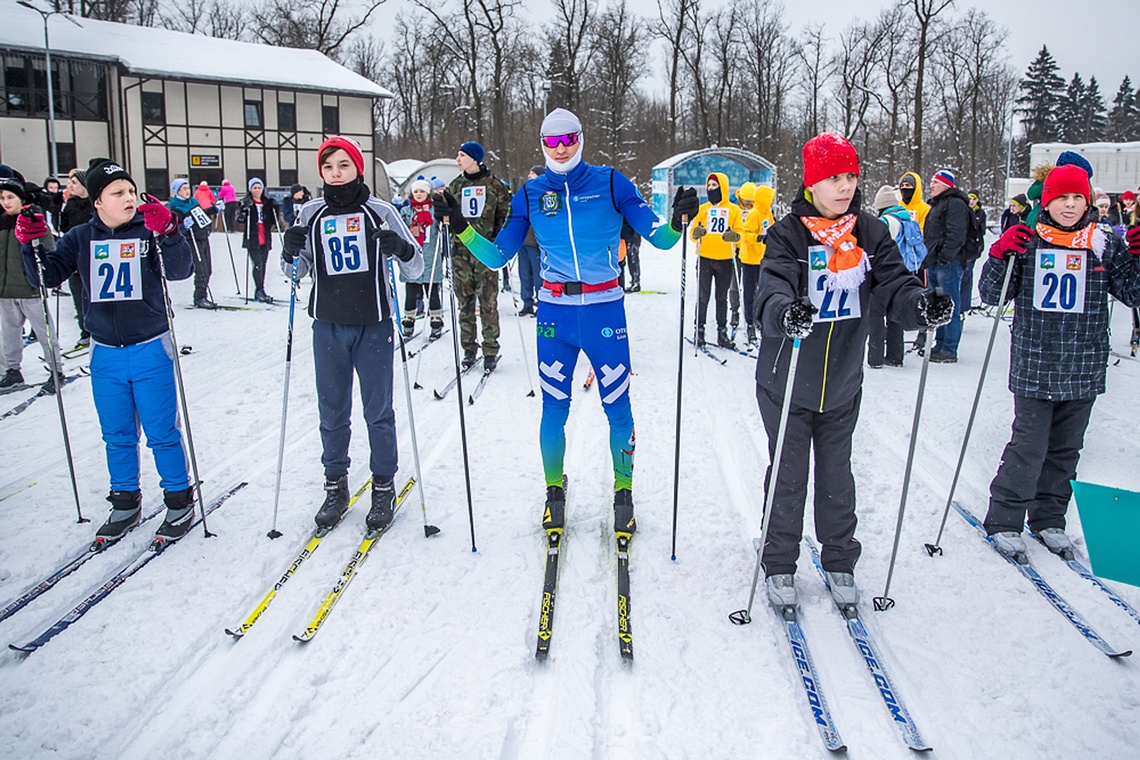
[947, 228]
[77, 210]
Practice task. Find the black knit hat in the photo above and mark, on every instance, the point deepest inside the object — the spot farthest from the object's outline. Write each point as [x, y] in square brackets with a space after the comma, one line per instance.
[538, 170]
[12, 181]
[102, 172]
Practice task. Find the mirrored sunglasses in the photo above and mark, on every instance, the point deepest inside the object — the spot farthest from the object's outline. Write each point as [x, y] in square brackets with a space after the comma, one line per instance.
[553, 141]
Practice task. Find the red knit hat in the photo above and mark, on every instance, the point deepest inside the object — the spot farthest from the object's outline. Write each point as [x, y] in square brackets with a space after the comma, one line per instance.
[349, 146]
[1063, 180]
[1128, 195]
[826, 155]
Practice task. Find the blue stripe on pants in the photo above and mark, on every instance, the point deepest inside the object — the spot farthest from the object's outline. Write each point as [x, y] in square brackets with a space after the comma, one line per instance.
[367, 349]
[133, 386]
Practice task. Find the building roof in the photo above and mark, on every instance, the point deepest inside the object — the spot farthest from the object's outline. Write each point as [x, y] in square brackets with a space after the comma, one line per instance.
[147, 51]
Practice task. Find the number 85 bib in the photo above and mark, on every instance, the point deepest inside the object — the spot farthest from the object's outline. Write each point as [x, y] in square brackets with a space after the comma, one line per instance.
[116, 271]
[342, 240]
[1059, 280]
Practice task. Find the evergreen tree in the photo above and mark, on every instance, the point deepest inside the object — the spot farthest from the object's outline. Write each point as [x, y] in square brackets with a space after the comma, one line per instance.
[1069, 113]
[1094, 114]
[1122, 120]
[1040, 94]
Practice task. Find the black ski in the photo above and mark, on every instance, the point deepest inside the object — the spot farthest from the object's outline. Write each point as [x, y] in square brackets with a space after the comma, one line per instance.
[440, 394]
[479, 386]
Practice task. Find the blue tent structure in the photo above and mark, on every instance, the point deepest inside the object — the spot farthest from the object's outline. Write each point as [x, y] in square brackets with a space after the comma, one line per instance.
[693, 167]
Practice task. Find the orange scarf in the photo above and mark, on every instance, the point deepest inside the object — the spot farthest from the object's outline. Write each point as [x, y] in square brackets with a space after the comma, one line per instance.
[848, 265]
[1082, 238]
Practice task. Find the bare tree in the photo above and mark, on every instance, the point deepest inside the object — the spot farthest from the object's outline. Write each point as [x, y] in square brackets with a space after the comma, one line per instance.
[673, 17]
[819, 68]
[925, 11]
[572, 28]
[858, 69]
[323, 25]
[768, 66]
[898, 68]
[214, 18]
[618, 54]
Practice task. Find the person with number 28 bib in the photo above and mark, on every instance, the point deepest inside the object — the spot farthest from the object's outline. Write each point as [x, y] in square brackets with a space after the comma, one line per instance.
[824, 261]
[1063, 271]
[117, 255]
[346, 239]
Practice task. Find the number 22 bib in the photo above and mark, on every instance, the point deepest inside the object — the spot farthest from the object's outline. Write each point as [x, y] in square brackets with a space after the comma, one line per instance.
[1059, 280]
[342, 239]
[833, 305]
[116, 271]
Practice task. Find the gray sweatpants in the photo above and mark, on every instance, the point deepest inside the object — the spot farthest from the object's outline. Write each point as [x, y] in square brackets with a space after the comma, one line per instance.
[13, 312]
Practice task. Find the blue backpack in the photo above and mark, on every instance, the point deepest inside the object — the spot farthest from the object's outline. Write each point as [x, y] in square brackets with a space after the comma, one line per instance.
[909, 240]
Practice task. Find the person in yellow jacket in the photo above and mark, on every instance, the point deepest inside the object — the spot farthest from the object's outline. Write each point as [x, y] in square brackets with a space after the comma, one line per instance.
[756, 205]
[910, 188]
[716, 228]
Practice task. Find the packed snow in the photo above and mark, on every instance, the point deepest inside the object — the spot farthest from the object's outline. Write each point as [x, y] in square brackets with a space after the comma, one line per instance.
[430, 653]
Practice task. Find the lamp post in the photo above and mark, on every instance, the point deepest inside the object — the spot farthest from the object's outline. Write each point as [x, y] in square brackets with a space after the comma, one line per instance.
[52, 155]
[546, 86]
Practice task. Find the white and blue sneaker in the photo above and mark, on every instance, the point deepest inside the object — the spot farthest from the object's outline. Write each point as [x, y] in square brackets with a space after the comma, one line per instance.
[1055, 540]
[1009, 543]
[781, 590]
[843, 589]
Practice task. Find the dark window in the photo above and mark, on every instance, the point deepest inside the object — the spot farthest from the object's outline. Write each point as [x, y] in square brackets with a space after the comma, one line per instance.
[286, 117]
[288, 177]
[17, 85]
[330, 116]
[153, 108]
[212, 177]
[65, 157]
[88, 91]
[79, 88]
[158, 182]
[253, 114]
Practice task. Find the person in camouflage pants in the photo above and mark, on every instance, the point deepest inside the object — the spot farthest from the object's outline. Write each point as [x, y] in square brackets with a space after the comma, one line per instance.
[486, 203]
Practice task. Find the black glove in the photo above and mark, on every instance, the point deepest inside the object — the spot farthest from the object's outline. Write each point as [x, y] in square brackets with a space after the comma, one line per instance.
[935, 308]
[685, 205]
[393, 244]
[446, 206]
[294, 243]
[796, 318]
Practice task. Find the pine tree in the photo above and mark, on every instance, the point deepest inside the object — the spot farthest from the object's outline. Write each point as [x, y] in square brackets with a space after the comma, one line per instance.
[1122, 119]
[1094, 114]
[1040, 93]
[1071, 122]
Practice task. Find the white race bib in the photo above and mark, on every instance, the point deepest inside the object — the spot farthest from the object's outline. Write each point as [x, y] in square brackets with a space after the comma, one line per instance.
[116, 271]
[833, 305]
[343, 242]
[200, 217]
[1059, 280]
[474, 199]
[718, 220]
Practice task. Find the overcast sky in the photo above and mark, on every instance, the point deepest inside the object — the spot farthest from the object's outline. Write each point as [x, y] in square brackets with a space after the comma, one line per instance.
[1084, 38]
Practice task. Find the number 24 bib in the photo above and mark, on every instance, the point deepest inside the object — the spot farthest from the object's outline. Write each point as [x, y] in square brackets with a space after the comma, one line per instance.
[116, 271]
[343, 243]
[1059, 280]
[833, 305]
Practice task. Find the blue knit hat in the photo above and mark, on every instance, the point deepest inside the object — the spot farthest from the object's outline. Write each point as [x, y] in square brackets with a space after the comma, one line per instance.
[255, 181]
[1069, 158]
[177, 184]
[436, 183]
[473, 149]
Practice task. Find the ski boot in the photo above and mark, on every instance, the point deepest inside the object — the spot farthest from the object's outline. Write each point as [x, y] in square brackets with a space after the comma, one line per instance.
[1012, 545]
[781, 591]
[262, 297]
[12, 378]
[723, 340]
[408, 324]
[490, 362]
[383, 504]
[554, 516]
[179, 514]
[750, 334]
[436, 319]
[843, 589]
[1056, 541]
[126, 510]
[624, 523]
[468, 359]
[48, 388]
[527, 310]
[336, 503]
[701, 335]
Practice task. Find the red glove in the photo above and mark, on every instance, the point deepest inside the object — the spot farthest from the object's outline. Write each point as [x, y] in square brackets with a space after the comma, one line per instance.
[1133, 238]
[157, 217]
[1013, 241]
[30, 227]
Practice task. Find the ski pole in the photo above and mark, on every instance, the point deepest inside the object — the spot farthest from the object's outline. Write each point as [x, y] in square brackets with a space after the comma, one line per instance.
[743, 617]
[935, 548]
[697, 309]
[273, 532]
[429, 530]
[178, 377]
[680, 374]
[885, 602]
[233, 265]
[56, 378]
[431, 285]
[522, 338]
[459, 377]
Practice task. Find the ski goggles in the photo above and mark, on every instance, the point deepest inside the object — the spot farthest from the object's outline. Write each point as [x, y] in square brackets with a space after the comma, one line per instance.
[553, 141]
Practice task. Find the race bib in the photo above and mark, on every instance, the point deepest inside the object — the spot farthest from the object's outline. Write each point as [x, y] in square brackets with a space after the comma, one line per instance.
[1059, 280]
[116, 271]
[343, 243]
[474, 199]
[718, 220]
[199, 217]
[833, 305]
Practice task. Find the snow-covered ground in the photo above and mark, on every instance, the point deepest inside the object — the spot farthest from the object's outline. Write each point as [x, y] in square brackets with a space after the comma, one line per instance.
[431, 651]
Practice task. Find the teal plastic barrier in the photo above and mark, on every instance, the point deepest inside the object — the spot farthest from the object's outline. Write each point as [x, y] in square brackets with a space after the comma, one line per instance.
[1110, 518]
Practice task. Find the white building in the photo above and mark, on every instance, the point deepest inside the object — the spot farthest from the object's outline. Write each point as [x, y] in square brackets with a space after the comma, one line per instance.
[167, 104]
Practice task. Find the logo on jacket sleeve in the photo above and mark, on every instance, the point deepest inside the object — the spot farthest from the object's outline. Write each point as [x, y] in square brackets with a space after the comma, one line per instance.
[102, 251]
[550, 203]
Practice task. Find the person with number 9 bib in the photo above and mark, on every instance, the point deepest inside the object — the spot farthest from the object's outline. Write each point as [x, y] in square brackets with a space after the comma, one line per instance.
[117, 256]
[823, 263]
[1063, 271]
[345, 239]
[716, 230]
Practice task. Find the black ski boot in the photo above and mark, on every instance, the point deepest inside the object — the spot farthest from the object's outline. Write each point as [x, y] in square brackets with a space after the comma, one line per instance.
[179, 514]
[701, 335]
[554, 516]
[436, 319]
[623, 512]
[383, 504]
[490, 362]
[126, 510]
[723, 340]
[469, 357]
[336, 503]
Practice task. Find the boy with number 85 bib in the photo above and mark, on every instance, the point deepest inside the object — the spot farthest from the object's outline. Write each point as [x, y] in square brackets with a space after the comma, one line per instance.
[823, 263]
[117, 255]
[1064, 270]
[343, 239]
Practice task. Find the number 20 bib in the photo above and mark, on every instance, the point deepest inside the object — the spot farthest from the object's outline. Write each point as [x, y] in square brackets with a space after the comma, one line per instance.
[1059, 280]
[718, 221]
[342, 239]
[833, 305]
[116, 271]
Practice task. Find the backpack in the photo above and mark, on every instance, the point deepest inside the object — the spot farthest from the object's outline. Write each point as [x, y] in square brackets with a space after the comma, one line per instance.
[975, 238]
[908, 238]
